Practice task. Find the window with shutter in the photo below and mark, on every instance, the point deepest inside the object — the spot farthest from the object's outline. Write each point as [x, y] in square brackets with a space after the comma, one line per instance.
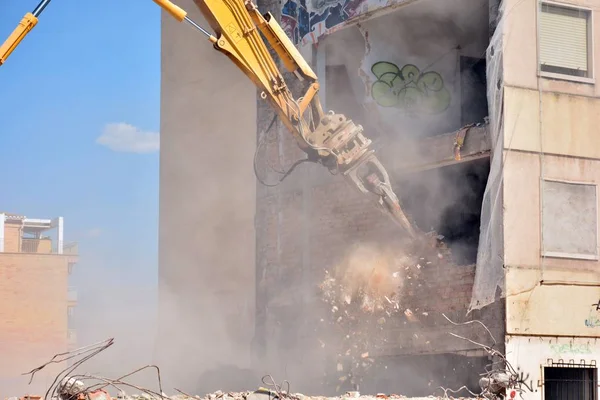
[565, 40]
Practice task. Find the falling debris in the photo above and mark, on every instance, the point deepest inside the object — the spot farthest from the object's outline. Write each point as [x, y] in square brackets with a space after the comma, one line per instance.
[365, 296]
[409, 315]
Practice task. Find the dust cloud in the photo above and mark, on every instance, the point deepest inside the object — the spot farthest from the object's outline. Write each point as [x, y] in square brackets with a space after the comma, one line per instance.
[214, 329]
[197, 322]
[431, 35]
[125, 312]
[368, 268]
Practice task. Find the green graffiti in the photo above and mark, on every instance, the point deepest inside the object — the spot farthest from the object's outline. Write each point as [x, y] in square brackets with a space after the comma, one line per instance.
[571, 348]
[409, 89]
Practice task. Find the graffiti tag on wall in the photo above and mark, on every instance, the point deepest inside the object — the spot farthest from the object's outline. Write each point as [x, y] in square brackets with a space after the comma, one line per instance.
[571, 348]
[593, 319]
[306, 20]
[409, 89]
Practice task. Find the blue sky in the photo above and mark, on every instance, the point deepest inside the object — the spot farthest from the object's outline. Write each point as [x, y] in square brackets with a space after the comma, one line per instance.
[79, 129]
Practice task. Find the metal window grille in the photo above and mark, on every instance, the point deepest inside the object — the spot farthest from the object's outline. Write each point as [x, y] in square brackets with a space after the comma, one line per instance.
[564, 40]
[571, 381]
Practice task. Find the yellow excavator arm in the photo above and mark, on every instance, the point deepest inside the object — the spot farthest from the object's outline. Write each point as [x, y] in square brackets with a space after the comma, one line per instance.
[327, 138]
[24, 27]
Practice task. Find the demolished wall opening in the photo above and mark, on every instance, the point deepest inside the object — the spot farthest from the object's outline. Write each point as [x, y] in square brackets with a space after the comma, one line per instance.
[448, 201]
[473, 90]
[417, 74]
[414, 75]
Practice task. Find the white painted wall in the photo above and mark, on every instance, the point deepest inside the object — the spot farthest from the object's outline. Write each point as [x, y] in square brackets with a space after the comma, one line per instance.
[531, 353]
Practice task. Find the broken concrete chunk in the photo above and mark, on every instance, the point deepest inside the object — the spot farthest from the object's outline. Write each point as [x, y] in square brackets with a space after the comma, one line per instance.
[259, 396]
[70, 387]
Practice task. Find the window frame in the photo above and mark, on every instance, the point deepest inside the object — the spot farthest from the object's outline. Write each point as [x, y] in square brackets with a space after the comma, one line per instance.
[591, 79]
[574, 256]
[562, 365]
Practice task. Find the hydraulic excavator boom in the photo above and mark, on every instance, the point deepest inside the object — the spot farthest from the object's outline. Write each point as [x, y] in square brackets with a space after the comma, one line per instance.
[330, 139]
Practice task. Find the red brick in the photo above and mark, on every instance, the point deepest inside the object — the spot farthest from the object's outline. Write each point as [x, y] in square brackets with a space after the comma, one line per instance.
[33, 319]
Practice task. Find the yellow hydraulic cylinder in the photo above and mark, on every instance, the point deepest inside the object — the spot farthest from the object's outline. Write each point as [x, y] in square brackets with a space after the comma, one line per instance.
[26, 25]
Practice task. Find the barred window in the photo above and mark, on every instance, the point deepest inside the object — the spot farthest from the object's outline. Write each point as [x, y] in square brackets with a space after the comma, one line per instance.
[570, 383]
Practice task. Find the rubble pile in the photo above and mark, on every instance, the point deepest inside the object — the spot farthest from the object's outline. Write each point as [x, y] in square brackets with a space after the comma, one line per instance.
[264, 395]
[74, 389]
[365, 293]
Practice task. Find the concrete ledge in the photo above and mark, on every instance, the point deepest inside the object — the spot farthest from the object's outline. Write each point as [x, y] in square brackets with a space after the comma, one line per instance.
[400, 158]
[436, 151]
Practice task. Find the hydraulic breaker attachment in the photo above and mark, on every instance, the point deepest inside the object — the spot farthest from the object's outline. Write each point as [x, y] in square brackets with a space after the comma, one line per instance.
[330, 139]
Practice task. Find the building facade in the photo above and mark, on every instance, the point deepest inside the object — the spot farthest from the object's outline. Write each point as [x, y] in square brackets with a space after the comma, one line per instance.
[36, 300]
[522, 217]
[207, 205]
[413, 74]
[551, 166]
[514, 80]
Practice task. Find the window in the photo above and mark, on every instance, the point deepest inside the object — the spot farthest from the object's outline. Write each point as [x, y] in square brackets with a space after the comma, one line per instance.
[473, 90]
[569, 220]
[572, 382]
[565, 41]
[70, 311]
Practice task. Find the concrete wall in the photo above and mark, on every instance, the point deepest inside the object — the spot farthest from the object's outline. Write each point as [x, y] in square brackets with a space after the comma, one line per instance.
[531, 308]
[568, 121]
[33, 319]
[207, 206]
[560, 118]
[551, 295]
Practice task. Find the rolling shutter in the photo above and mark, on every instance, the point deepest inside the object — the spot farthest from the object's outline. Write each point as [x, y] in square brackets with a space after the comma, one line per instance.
[564, 37]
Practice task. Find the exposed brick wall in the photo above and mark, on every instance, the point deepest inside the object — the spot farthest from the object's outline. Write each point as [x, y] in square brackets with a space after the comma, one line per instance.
[339, 217]
[33, 319]
[12, 237]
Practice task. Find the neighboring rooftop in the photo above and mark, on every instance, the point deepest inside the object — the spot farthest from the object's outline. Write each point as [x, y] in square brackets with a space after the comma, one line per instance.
[33, 235]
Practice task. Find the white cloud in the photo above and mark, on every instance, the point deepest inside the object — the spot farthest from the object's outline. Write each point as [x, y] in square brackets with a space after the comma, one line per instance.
[128, 138]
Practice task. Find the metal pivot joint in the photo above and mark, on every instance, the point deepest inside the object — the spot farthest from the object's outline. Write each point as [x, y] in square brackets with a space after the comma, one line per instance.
[347, 150]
